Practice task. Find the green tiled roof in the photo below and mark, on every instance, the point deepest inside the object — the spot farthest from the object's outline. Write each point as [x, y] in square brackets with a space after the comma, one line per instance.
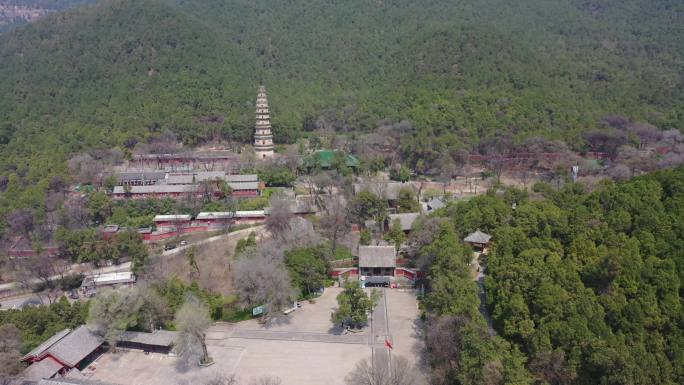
[324, 159]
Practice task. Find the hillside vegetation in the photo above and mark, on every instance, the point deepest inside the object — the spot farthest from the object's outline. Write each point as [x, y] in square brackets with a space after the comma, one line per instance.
[583, 288]
[460, 72]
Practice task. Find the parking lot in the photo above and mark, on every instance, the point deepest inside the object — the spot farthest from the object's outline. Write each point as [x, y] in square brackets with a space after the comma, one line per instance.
[302, 349]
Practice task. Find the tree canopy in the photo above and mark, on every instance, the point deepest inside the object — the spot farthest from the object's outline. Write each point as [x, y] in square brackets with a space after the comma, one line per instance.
[582, 288]
[447, 76]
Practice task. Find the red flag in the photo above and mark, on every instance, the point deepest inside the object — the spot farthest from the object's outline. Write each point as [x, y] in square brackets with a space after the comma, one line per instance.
[388, 344]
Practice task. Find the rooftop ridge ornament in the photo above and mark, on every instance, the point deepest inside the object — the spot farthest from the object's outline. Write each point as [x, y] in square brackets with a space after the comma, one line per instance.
[263, 138]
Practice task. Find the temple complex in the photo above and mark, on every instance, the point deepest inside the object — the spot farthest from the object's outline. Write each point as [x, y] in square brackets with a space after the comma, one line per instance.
[263, 139]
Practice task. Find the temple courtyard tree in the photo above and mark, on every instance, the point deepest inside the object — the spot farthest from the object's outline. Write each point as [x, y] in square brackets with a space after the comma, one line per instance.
[353, 306]
[192, 321]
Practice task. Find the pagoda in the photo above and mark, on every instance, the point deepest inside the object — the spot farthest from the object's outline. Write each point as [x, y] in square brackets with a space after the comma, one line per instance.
[263, 139]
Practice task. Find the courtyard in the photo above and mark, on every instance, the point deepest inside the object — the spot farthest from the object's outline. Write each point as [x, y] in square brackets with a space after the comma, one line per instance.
[301, 348]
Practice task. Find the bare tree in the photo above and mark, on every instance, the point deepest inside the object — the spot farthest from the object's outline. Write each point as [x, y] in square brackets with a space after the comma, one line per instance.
[335, 221]
[551, 367]
[192, 321]
[165, 143]
[278, 221]
[77, 215]
[673, 136]
[85, 168]
[10, 345]
[620, 172]
[38, 266]
[672, 159]
[325, 181]
[493, 373]
[608, 142]
[447, 170]
[21, 221]
[646, 133]
[444, 343]
[398, 372]
[260, 280]
[615, 121]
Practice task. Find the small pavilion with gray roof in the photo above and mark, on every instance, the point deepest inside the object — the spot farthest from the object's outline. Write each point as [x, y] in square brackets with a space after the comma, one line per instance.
[479, 240]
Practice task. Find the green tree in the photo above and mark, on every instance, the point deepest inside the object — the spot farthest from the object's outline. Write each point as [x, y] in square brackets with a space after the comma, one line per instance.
[353, 307]
[245, 243]
[407, 202]
[128, 245]
[396, 234]
[100, 206]
[308, 268]
[191, 257]
[367, 205]
[365, 237]
[110, 182]
[401, 174]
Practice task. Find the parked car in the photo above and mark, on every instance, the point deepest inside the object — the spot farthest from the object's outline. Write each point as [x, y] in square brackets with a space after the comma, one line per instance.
[183, 243]
[169, 246]
[73, 294]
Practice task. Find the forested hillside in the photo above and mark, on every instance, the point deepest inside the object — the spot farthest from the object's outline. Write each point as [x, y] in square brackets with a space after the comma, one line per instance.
[585, 287]
[459, 72]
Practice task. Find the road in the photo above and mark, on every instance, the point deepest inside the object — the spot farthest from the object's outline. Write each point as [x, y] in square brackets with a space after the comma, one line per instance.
[379, 334]
[360, 339]
[75, 268]
[16, 302]
[240, 233]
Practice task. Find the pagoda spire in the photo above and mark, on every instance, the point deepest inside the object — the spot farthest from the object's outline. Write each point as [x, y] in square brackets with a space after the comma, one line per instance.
[263, 139]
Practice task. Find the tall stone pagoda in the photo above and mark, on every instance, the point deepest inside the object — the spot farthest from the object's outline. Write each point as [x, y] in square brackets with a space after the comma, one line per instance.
[263, 139]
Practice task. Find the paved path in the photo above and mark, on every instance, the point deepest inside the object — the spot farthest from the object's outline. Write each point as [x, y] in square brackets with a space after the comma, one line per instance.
[380, 332]
[479, 279]
[359, 339]
[17, 302]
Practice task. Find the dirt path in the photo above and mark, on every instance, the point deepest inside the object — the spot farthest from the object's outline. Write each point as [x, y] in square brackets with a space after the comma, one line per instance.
[479, 279]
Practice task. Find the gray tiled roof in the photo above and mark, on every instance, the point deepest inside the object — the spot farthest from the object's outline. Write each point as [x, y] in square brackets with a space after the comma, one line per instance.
[199, 176]
[377, 256]
[436, 203]
[46, 345]
[145, 175]
[181, 179]
[156, 338]
[478, 237]
[157, 189]
[205, 215]
[76, 345]
[406, 219]
[242, 178]
[42, 369]
[244, 185]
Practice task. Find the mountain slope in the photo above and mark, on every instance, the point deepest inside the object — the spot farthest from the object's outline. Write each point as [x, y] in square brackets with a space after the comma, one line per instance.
[460, 71]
